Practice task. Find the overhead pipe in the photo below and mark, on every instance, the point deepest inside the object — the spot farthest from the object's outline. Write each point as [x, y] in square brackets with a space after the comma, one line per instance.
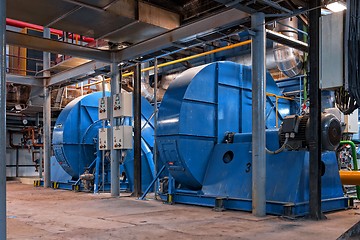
[20, 24]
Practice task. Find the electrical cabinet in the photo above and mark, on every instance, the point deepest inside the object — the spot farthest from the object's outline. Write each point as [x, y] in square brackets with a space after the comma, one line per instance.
[103, 108]
[123, 105]
[122, 137]
[332, 51]
[104, 138]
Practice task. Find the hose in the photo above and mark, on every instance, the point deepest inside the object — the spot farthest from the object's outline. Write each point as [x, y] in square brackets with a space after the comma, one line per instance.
[280, 149]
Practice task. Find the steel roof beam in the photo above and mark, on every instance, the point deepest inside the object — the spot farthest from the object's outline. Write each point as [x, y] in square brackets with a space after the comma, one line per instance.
[74, 73]
[228, 18]
[48, 45]
[24, 80]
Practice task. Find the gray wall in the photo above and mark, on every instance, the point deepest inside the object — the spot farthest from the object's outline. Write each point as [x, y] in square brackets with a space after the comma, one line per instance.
[24, 159]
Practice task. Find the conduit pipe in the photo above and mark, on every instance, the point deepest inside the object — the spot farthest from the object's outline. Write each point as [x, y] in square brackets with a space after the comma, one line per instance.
[20, 24]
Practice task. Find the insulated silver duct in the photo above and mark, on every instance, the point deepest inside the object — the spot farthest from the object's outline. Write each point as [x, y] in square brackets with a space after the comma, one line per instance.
[147, 91]
[246, 59]
[288, 60]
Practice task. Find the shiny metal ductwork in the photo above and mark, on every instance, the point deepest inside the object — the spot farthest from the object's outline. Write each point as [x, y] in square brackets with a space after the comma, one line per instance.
[288, 60]
[245, 60]
[147, 89]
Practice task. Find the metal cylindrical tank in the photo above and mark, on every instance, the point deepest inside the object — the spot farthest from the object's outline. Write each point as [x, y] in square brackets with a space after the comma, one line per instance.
[200, 107]
[76, 131]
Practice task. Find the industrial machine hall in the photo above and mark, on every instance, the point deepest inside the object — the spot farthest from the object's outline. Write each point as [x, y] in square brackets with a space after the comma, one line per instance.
[179, 119]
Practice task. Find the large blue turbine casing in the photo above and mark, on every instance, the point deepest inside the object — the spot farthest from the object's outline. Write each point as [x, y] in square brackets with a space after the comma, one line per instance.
[199, 108]
[75, 138]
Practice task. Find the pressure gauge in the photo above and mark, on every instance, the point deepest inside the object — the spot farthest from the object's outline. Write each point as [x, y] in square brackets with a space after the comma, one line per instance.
[25, 121]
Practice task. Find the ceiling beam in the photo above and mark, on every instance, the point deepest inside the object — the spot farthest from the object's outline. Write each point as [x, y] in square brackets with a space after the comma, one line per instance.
[24, 80]
[48, 45]
[237, 4]
[227, 18]
[77, 72]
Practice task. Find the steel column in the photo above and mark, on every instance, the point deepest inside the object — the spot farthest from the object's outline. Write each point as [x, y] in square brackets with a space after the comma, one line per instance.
[47, 116]
[315, 113]
[155, 156]
[258, 114]
[2, 120]
[115, 154]
[40, 169]
[137, 131]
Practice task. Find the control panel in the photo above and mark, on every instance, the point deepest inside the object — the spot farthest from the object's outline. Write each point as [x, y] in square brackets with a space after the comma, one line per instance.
[123, 105]
[123, 138]
[103, 108]
[104, 138]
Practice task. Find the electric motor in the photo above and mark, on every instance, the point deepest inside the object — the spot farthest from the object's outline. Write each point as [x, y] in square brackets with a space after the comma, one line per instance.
[296, 129]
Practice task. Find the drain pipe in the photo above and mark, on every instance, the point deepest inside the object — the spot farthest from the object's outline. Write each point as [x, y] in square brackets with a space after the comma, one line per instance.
[2, 120]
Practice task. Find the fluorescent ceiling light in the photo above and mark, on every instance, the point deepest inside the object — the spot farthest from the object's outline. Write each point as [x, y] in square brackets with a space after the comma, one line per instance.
[336, 6]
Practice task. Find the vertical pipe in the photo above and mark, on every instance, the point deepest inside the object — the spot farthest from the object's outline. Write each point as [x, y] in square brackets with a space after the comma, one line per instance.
[40, 162]
[37, 119]
[97, 171]
[17, 163]
[2, 120]
[155, 119]
[47, 116]
[315, 113]
[115, 154]
[137, 131]
[258, 115]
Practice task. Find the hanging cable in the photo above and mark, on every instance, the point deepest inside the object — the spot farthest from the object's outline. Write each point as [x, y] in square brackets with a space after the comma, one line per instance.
[344, 101]
[353, 42]
[281, 148]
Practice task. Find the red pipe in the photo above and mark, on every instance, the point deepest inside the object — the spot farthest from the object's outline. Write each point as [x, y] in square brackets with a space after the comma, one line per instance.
[20, 24]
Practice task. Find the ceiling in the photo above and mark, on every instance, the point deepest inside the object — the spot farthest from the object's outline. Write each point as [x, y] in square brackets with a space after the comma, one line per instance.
[140, 26]
[130, 21]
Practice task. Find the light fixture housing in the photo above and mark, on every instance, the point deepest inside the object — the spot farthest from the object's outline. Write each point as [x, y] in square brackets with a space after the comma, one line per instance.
[336, 6]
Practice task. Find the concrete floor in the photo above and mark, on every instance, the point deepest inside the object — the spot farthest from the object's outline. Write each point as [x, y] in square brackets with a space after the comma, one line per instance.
[38, 213]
